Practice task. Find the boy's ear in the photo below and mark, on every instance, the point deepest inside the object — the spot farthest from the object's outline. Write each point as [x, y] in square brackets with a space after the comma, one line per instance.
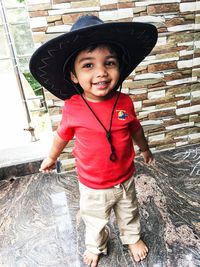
[73, 77]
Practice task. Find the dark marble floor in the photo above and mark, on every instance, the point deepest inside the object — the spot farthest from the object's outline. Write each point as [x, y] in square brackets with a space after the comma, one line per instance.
[40, 223]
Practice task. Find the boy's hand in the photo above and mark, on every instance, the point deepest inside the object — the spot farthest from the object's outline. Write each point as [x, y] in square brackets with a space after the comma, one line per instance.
[148, 156]
[47, 165]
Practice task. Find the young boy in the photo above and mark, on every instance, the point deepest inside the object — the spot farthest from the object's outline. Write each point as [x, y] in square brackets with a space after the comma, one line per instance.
[85, 67]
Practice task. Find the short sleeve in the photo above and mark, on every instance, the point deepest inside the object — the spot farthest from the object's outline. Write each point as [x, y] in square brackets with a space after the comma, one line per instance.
[65, 130]
[135, 124]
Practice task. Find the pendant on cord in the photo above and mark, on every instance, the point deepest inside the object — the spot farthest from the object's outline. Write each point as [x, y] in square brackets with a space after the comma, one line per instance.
[113, 156]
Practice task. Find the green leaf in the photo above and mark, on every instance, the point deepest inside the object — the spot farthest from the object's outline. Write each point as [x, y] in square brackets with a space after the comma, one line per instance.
[37, 88]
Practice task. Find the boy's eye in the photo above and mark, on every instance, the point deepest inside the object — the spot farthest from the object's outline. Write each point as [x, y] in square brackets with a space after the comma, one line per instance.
[87, 65]
[111, 63]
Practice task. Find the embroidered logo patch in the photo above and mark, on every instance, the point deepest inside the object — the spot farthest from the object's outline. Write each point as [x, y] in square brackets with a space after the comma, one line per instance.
[122, 115]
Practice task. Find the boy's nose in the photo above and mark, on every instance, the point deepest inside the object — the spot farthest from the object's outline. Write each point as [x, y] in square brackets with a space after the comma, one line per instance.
[101, 72]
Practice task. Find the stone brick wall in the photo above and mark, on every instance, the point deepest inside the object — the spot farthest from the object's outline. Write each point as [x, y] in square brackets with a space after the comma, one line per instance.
[165, 86]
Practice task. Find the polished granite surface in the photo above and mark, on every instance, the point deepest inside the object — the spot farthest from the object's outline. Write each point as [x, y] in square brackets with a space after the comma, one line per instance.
[40, 223]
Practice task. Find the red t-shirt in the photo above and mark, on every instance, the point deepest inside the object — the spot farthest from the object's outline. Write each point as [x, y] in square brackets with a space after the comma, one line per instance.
[91, 149]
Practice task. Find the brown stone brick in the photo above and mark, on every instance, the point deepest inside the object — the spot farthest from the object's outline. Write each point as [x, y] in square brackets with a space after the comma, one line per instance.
[124, 20]
[143, 83]
[177, 132]
[173, 76]
[155, 85]
[194, 129]
[166, 105]
[162, 8]
[183, 131]
[178, 89]
[167, 55]
[183, 118]
[197, 53]
[197, 19]
[195, 101]
[184, 105]
[124, 1]
[164, 49]
[59, 22]
[153, 129]
[86, 3]
[51, 24]
[174, 22]
[39, 7]
[39, 13]
[125, 5]
[109, 7]
[194, 141]
[185, 1]
[39, 29]
[174, 121]
[71, 18]
[158, 88]
[162, 29]
[189, 16]
[142, 117]
[196, 72]
[139, 97]
[186, 57]
[162, 113]
[179, 37]
[195, 119]
[138, 10]
[162, 100]
[162, 66]
[171, 145]
[186, 72]
[141, 69]
[163, 142]
[195, 86]
[53, 18]
[61, 1]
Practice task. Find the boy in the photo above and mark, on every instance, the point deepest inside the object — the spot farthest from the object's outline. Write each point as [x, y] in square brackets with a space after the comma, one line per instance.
[85, 67]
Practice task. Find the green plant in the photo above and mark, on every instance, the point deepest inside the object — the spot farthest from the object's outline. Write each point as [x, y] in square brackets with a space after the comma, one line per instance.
[34, 84]
[21, 1]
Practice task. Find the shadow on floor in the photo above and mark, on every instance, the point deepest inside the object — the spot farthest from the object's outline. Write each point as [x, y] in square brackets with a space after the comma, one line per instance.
[40, 223]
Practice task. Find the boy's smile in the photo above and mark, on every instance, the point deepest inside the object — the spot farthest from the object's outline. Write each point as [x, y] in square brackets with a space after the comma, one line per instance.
[97, 72]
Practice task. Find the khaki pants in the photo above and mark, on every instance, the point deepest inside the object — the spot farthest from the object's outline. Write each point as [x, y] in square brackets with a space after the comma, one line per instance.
[95, 208]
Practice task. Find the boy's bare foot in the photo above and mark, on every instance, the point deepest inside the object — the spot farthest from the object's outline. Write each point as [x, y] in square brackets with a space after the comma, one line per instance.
[138, 250]
[90, 259]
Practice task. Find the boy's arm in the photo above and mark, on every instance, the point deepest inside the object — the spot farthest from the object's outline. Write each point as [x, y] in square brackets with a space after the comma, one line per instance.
[57, 147]
[141, 142]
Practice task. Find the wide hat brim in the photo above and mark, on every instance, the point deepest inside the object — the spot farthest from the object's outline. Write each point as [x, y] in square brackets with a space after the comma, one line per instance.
[48, 61]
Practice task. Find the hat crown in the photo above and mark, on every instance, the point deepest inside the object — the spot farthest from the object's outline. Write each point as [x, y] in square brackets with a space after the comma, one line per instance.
[86, 21]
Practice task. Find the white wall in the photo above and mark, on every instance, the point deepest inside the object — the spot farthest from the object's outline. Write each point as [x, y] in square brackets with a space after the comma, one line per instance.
[12, 113]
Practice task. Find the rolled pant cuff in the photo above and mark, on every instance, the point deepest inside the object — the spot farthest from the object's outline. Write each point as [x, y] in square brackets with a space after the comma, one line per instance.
[97, 251]
[130, 239]
[102, 249]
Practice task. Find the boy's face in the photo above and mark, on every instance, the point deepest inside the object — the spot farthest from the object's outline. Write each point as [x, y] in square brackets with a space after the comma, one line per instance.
[97, 72]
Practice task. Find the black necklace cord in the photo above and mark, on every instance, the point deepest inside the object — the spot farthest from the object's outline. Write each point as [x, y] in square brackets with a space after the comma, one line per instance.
[113, 155]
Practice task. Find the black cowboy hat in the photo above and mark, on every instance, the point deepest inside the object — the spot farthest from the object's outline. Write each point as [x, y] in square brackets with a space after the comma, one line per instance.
[49, 63]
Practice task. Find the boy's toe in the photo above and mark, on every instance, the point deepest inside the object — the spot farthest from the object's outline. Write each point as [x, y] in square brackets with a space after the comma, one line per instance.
[136, 257]
[94, 263]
